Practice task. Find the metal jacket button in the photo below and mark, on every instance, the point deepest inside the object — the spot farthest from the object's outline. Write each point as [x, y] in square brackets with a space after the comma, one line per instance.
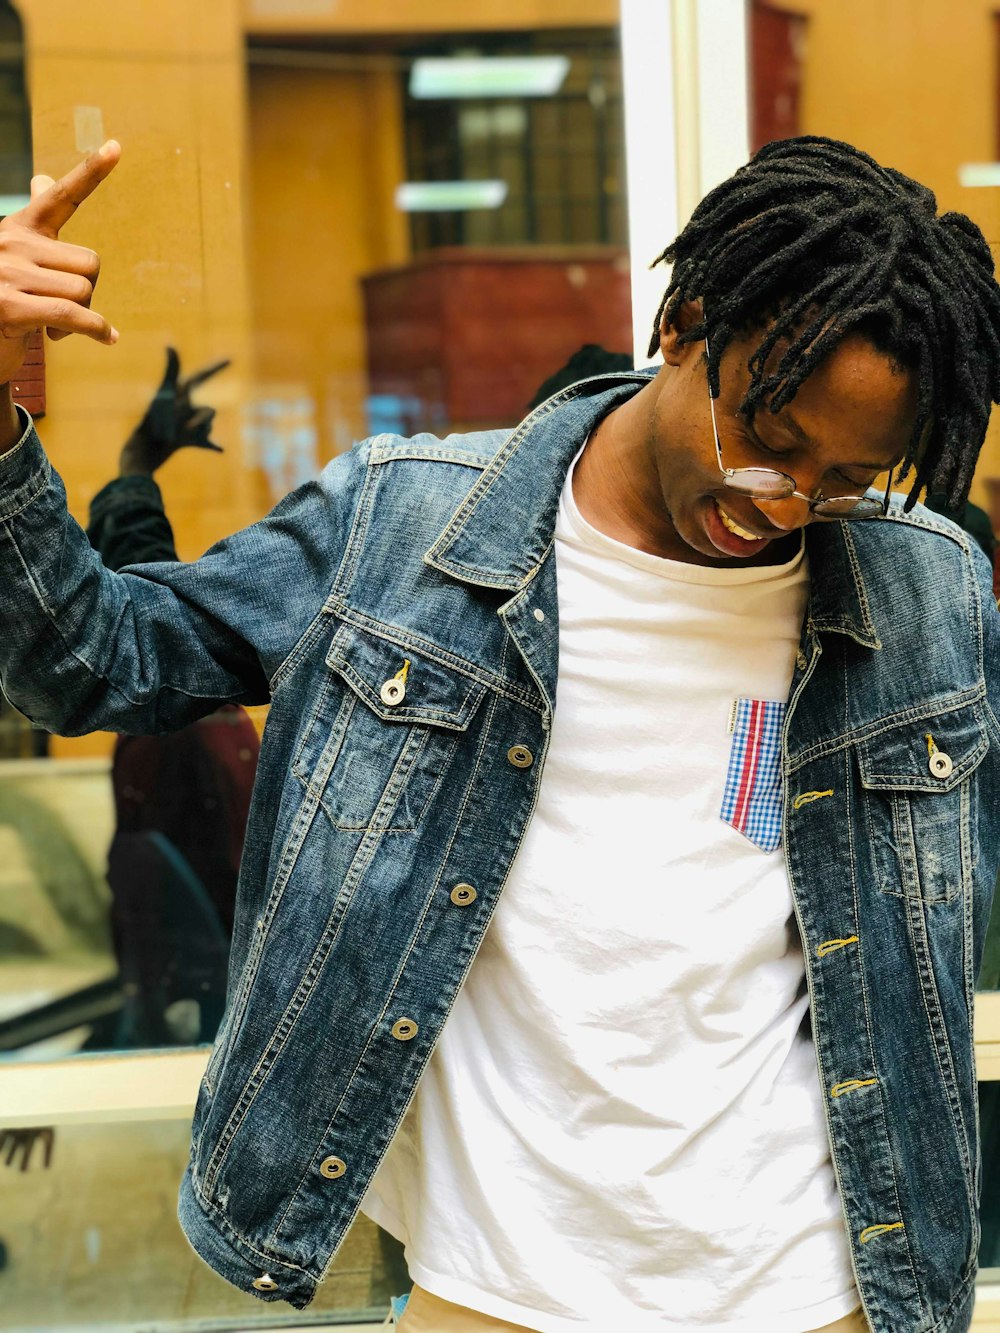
[463, 894]
[520, 756]
[264, 1283]
[332, 1167]
[393, 692]
[539, 614]
[404, 1029]
[940, 765]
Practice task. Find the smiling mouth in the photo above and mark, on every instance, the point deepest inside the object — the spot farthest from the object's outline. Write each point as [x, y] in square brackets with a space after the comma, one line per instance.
[732, 526]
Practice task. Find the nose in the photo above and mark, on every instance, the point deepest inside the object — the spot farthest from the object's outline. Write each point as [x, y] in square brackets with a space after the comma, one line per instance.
[787, 514]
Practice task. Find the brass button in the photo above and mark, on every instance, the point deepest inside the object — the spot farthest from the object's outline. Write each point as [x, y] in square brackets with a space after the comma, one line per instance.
[404, 1029]
[393, 692]
[332, 1167]
[265, 1283]
[940, 765]
[520, 756]
[463, 894]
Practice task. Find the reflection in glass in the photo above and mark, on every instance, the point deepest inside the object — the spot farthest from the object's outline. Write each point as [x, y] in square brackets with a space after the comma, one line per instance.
[109, 1251]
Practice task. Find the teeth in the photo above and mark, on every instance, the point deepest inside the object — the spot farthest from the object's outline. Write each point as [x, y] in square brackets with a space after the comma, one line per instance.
[735, 528]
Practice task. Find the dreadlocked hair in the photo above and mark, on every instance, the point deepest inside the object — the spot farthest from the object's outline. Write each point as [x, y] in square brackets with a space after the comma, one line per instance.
[812, 239]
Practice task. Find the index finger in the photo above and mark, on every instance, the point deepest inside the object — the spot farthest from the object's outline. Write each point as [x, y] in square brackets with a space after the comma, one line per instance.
[52, 209]
[206, 373]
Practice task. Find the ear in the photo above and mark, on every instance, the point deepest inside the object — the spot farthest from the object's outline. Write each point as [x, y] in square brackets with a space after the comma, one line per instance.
[685, 317]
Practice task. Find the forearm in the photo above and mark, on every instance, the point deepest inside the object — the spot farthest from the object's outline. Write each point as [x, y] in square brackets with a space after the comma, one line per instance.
[128, 524]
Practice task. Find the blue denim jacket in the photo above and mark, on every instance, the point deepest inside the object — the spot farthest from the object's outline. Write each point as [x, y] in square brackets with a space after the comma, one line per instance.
[385, 819]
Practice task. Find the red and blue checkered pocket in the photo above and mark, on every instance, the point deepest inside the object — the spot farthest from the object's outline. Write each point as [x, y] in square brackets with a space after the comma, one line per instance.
[752, 800]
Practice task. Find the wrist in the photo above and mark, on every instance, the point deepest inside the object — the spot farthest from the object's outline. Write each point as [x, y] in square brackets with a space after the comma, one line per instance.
[134, 458]
[11, 429]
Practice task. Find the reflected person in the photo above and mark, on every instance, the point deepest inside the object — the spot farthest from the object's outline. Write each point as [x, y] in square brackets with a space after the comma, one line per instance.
[181, 799]
[652, 1006]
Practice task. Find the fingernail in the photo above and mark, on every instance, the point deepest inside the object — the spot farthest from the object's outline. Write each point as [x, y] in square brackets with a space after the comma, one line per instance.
[107, 149]
[112, 337]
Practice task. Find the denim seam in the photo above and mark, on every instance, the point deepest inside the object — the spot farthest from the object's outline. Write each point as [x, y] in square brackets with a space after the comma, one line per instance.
[458, 824]
[868, 731]
[968, 910]
[852, 555]
[290, 1016]
[371, 481]
[916, 923]
[209, 1207]
[445, 859]
[449, 718]
[289, 856]
[298, 650]
[387, 453]
[405, 638]
[377, 1031]
[469, 505]
[451, 741]
[866, 1011]
[964, 768]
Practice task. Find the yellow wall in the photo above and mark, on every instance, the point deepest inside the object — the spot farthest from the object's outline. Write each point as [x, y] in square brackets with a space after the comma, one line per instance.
[914, 83]
[169, 84]
[326, 157]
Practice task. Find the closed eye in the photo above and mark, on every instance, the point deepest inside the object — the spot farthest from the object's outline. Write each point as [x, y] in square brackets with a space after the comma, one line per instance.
[759, 444]
[853, 481]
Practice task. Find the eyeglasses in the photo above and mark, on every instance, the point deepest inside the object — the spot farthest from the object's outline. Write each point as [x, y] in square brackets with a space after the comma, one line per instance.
[764, 483]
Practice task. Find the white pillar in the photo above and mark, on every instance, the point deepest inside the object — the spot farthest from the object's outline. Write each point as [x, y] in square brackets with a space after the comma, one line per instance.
[684, 71]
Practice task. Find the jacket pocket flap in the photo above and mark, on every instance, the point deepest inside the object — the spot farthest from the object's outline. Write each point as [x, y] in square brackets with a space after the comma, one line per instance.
[403, 684]
[934, 754]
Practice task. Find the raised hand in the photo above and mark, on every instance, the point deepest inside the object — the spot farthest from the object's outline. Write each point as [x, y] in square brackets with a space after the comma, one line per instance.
[172, 420]
[45, 282]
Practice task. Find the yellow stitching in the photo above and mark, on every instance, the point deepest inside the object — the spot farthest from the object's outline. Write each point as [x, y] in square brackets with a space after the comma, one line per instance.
[877, 1231]
[808, 797]
[402, 674]
[831, 946]
[850, 1085]
[931, 747]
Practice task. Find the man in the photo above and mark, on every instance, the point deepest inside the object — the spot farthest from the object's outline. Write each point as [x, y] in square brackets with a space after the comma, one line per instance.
[712, 1065]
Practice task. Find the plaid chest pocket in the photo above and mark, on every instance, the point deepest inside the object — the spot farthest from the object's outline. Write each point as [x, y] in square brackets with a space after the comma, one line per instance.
[751, 803]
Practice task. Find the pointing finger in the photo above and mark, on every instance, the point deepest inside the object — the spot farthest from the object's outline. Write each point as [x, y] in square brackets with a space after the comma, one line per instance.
[54, 206]
[39, 184]
[206, 373]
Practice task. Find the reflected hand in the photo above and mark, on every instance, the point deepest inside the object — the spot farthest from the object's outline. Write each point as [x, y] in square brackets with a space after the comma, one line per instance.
[172, 420]
[13, 1141]
[45, 282]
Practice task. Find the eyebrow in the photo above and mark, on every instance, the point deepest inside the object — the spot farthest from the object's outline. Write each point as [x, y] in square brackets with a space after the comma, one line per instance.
[788, 420]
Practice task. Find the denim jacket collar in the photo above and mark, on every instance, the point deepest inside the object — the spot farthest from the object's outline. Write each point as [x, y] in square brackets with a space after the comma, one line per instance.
[502, 531]
[500, 534]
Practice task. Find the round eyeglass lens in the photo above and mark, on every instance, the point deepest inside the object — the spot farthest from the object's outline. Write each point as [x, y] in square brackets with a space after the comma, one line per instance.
[760, 481]
[848, 506]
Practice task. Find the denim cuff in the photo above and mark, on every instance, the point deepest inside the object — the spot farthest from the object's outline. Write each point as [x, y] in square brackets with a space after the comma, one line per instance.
[123, 493]
[25, 472]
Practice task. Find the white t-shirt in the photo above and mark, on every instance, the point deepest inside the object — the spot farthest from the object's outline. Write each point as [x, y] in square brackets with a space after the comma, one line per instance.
[622, 1125]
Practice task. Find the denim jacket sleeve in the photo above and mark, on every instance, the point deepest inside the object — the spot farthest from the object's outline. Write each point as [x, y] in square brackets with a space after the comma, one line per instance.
[155, 646]
[128, 524]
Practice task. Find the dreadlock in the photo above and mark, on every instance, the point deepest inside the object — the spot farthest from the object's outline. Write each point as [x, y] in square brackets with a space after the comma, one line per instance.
[813, 239]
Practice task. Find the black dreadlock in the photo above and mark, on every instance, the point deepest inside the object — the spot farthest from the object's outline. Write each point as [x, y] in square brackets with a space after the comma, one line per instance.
[816, 236]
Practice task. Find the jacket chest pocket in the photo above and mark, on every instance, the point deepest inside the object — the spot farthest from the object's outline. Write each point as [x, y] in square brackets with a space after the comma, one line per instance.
[385, 727]
[920, 800]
